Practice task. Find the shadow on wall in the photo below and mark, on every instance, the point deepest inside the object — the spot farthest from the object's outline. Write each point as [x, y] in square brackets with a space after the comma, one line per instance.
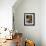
[29, 32]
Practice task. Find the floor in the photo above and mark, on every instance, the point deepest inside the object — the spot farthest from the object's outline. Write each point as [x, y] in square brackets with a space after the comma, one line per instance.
[16, 41]
[9, 43]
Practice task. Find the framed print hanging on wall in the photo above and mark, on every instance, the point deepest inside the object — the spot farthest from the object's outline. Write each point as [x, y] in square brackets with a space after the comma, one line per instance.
[29, 19]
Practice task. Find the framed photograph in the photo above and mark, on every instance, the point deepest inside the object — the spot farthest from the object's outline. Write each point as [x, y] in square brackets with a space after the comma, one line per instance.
[29, 19]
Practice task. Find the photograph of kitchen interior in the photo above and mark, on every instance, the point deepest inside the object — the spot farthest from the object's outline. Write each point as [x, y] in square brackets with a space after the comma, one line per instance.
[13, 32]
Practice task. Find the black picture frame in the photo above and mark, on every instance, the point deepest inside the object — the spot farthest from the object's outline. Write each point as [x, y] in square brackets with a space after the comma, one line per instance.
[29, 19]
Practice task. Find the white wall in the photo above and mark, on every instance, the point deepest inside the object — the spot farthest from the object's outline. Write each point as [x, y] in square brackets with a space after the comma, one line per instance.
[6, 16]
[31, 32]
[43, 22]
[6, 13]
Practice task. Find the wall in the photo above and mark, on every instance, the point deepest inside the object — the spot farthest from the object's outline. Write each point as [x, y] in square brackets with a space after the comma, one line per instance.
[29, 32]
[6, 16]
[6, 13]
[43, 22]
